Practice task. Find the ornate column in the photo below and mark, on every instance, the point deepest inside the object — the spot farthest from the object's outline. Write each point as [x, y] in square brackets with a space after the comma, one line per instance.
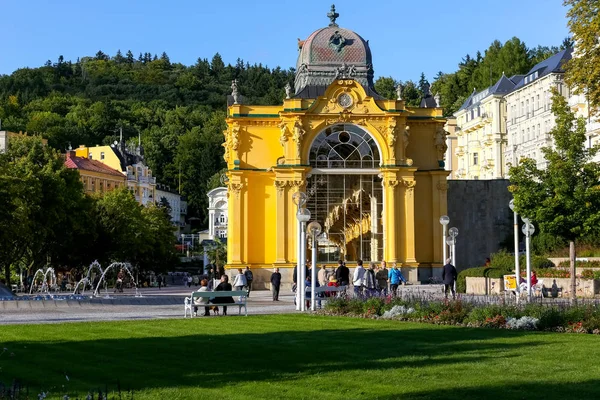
[235, 237]
[280, 221]
[295, 185]
[439, 191]
[408, 220]
[390, 183]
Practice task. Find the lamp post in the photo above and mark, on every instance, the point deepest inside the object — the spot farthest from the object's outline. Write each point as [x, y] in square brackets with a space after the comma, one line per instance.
[511, 204]
[528, 230]
[444, 220]
[299, 199]
[315, 229]
[303, 216]
[453, 234]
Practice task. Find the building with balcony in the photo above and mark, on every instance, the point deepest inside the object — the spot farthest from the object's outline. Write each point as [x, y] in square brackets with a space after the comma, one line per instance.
[96, 177]
[131, 164]
[580, 106]
[481, 132]
[529, 107]
[217, 213]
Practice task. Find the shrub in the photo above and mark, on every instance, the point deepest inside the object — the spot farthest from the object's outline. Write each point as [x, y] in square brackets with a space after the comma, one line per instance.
[398, 312]
[373, 306]
[538, 262]
[523, 323]
[579, 264]
[552, 273]
[494, 322]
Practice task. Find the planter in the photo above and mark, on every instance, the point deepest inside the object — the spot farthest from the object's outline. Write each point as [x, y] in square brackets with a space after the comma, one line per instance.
[486, 286]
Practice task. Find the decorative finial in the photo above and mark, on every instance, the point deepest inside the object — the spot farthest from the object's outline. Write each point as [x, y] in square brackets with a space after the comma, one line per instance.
[234, 92]
[288, 91]
[438, 100]
[399, 92]
[333, 16]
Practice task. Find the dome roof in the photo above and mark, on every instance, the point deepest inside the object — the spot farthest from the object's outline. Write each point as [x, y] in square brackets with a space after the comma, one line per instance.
[330, 53]
[334, 45]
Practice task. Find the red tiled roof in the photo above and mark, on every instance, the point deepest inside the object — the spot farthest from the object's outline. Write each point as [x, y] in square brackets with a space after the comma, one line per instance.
[91, 165]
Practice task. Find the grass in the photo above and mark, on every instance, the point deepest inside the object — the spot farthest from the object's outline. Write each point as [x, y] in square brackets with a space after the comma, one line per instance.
[299, 357]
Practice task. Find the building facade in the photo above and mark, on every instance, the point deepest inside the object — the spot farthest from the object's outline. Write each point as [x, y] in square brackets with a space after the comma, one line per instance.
[139, 177]
[372, 169]
[95, 176]
[164, 193]
[580, 106]
[529, 107]
[217, 213]
[481, 132]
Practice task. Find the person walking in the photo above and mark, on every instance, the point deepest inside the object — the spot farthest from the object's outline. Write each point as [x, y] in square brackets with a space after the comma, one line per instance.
[358, 279]
[342, 274]
[275, 284]
[159, 279]
[396, 278]
[240, 280]
[449, 277]
[370, 282]
[249, 277]
[382, 279]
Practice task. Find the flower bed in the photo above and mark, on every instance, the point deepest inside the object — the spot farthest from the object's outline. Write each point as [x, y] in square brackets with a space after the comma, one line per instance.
[563, 318]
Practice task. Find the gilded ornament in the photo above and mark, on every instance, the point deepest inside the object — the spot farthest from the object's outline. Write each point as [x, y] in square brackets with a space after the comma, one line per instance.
[283, 137]
[442, 186]
[299, 132]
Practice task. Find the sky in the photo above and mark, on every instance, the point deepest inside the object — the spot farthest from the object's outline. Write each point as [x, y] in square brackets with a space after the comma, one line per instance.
[406, 37]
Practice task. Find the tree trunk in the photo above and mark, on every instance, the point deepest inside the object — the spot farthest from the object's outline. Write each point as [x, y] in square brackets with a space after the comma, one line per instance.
[7, 274]
[572, 269]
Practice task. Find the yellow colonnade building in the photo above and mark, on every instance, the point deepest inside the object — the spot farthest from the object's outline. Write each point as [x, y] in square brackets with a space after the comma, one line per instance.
[373, 169]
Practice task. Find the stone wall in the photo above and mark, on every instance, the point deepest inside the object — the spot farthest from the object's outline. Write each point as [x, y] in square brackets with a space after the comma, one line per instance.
[479, 209]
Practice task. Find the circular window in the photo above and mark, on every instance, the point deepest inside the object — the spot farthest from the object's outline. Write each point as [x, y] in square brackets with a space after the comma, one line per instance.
[344, 137]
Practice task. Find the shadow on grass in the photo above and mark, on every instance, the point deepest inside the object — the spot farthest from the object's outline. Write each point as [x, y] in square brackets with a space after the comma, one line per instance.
[220, 360]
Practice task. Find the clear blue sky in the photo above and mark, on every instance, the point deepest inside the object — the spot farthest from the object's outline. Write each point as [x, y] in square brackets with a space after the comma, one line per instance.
[406, 37]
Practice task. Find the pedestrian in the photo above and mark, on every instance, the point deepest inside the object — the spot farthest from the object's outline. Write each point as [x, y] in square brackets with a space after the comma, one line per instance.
[449, 277]
[308, 284]
[342, 274]
[275, 284]
[119, 285]
[370, 282]
[249, 278]
[240, 280]
[322, 277]
[160, 281]
[396, 278]
[359, 279]
[382, 279]
[189, 280]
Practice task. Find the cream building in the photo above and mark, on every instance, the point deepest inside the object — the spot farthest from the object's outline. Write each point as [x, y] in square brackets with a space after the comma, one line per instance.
[481, 132]
[217, 213]
[580, 106]
[530, 117]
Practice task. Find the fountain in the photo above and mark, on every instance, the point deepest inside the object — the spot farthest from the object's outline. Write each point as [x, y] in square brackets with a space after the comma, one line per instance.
[85, 281]
[46, 286]
[123, 266]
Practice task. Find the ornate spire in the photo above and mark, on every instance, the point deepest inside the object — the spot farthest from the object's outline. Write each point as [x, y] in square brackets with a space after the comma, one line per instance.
[333, 16]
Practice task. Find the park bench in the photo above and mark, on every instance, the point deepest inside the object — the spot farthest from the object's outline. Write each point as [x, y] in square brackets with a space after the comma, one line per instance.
[327, 289]
[239, 296]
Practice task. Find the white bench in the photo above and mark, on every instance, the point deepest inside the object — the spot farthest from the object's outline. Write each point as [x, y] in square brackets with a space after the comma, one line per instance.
[239, 296]
[325, 289]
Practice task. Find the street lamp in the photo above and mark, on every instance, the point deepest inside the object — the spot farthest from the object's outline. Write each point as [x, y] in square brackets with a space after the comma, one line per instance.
[303, 216]
[299, 199]
[315, 229]
[444, 220]
[528, 230]
[511, 204]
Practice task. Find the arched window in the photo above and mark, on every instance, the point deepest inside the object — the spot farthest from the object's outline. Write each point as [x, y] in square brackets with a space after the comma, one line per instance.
[344, 146]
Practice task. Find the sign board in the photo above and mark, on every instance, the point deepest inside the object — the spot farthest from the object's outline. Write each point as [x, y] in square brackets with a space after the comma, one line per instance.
[510, 282]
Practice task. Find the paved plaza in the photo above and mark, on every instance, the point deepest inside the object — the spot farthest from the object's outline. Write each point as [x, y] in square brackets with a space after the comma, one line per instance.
[154, 304]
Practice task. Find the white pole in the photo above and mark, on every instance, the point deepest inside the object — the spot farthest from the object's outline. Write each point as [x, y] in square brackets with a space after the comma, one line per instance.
[444, 245]
[454, 259]
[517, 267]
[298, 269]
[303, 267]
[528, 255]
[313, 278]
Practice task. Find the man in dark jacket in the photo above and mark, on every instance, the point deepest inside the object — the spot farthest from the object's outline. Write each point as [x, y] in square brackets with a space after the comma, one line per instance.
[275, 284]
[342, 274]
[449, 277]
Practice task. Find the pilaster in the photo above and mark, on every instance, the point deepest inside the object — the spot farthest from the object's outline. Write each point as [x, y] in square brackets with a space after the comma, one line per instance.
[407, 176]
[235, 234]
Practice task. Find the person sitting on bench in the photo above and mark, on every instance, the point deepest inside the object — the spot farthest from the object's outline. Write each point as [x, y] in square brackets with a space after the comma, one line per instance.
[202, 300]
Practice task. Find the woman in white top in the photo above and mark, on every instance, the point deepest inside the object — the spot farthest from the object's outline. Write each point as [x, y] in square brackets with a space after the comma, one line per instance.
[240, 280]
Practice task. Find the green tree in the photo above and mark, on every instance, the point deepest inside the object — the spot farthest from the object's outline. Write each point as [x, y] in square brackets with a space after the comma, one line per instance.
[564, 198]
[583, 71]
[386, 87]
[159, 238]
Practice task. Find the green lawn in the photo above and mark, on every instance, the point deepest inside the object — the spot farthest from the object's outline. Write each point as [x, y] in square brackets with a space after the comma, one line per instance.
[292, 356]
